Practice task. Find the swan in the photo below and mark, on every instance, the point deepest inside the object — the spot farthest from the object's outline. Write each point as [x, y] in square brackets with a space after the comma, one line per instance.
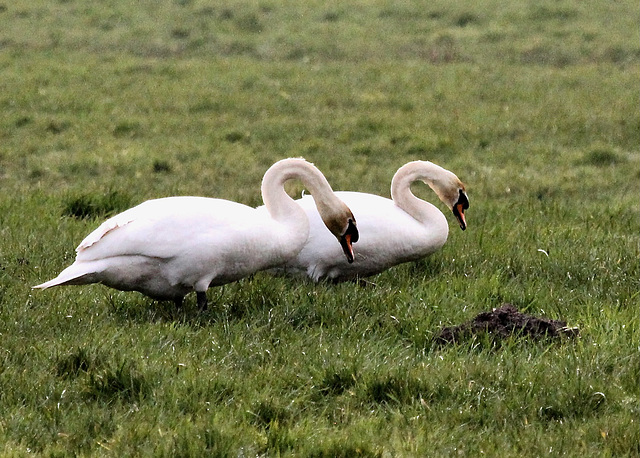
[168, 247]
[391, 231]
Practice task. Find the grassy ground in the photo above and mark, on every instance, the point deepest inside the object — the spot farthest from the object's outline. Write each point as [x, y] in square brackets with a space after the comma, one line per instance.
[533, 104]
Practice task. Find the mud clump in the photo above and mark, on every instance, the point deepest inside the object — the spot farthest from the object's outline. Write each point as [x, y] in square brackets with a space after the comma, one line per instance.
[503, 322]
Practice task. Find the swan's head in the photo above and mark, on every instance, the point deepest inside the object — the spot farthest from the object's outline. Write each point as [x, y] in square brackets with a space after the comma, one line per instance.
[451, 191]
[342, 224]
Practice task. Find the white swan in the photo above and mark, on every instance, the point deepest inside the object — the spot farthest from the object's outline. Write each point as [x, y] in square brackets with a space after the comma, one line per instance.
[391, 231]
[166, 248]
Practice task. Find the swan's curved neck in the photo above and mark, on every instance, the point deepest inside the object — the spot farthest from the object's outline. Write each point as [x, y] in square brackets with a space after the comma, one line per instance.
[279, 204]
[401, 189]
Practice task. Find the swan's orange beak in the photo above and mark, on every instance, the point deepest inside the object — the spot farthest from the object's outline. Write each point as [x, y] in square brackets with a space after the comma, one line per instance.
[458, 211]
[460, 206]
[345, 242]
[348, 239]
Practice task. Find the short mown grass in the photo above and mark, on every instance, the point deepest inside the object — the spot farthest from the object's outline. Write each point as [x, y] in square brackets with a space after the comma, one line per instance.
[533, 105]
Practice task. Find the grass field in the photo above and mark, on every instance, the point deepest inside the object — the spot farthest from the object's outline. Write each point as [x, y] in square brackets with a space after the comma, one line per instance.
[533, 104]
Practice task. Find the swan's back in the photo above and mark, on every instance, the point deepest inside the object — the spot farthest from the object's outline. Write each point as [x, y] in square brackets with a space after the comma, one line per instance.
[158, 227]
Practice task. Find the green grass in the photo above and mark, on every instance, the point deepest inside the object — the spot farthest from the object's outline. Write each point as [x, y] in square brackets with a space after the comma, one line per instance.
[533, 104]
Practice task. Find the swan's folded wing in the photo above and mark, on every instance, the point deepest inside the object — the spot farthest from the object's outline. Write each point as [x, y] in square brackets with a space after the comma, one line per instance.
[102, 230]
[161, 228]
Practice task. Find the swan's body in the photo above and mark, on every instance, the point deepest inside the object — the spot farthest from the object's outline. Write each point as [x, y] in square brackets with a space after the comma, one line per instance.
[166, 248]
[391, 231]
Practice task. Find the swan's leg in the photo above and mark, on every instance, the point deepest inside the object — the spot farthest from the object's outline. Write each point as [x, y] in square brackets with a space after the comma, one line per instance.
[202, 299]
[178, 302]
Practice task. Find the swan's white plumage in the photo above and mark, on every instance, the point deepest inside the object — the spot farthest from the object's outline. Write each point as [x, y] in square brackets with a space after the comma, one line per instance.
[391, 231]
[167, 247]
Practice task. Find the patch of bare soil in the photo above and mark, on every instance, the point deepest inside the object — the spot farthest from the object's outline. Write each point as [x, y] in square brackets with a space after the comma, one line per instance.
[504, 322]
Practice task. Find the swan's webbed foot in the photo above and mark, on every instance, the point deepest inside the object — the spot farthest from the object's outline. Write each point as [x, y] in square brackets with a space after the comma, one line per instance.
[202, 299]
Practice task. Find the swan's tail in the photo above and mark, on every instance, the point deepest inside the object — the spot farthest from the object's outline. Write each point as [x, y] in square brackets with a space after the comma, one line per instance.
[73, 275]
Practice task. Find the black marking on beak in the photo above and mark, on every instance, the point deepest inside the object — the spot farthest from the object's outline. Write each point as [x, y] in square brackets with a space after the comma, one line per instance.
[458, 209]
[353, 230]
[349, 237]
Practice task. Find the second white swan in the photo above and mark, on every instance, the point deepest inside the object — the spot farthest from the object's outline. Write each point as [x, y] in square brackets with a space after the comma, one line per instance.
[392, 231]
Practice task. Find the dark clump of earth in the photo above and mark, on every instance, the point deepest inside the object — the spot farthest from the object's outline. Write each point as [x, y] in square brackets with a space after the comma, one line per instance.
[503, 322]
